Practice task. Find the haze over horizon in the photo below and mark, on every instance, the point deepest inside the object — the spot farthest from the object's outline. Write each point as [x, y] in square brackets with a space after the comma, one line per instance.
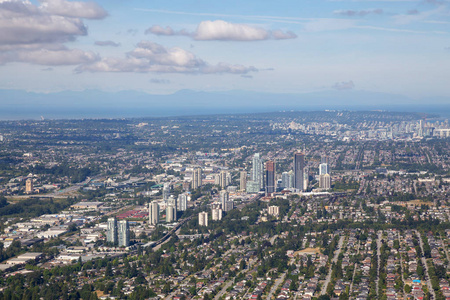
[385, 46]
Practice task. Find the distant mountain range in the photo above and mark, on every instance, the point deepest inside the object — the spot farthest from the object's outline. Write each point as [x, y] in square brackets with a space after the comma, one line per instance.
[17, 104]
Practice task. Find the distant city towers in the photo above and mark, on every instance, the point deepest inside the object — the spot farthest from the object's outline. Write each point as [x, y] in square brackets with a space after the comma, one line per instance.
[124, 233]
[182, 202]
[258, 170]
[270, 177]
[153, 215]
[196, 178]
[243, 180]
[118, 232]
[299, 166]
[171, 210]
[111, 234]
[203, 219]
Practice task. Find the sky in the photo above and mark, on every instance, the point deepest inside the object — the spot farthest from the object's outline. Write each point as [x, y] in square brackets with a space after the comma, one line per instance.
[287, 46]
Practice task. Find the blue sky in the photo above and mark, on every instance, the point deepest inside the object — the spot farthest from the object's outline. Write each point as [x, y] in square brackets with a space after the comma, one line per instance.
[391, 46]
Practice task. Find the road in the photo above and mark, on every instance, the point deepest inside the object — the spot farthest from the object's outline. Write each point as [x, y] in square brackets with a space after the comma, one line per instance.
[401, 265]
[334, 260]
[354, 273]
[276, 285]
[424, 262]
[379, 244]
[224, 289]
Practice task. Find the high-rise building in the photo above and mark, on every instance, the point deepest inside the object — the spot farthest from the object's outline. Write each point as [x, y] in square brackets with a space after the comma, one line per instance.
[270, 177]
[228, 205]
[224, 179]
[305, 180]
[258, 170]
[216, 212]
[299, 166]
[224, 197]
[203, 219]
[111, 234]
[171, 210]
[166, 191]
[196, 178]
[182, 202]
[323, 169]
[124, 233]
[325, 181]
[153, 215]
[29, 186]
[243, 181]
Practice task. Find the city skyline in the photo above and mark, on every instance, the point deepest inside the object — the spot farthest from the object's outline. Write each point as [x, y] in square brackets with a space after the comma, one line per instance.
[394, 47]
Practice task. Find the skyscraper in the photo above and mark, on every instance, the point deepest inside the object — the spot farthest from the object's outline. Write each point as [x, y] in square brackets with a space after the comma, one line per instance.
[325, 181]
[270, 177]
[224, 179]
[323, 169]
[124, 233]
[299, 166]
[216, 212]
[153, 216]
[258, 170]
[111, 235]
[166, 191]
[243, 181]
[196, 178]
[171, 210]
[182, 202]
[203, 219]
[224, 196]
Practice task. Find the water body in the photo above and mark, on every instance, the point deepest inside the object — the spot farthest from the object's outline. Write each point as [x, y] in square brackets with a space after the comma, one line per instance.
[22, 113]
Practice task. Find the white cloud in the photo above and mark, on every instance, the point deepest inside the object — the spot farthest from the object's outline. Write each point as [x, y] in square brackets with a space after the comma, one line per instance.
[358, 13]
[224, 31]
[151, 57]
[50, 57]
[36, 34]
[107, 43]
[74, 9]
[221, 30]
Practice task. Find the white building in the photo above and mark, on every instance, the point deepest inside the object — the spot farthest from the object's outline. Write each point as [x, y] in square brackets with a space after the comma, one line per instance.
[203, 219]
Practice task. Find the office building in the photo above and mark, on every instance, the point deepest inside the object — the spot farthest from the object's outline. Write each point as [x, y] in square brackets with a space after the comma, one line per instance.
[153, 213]
[323, 169]
[182, 202]
[243, 180]
[29, 186]
[171, 210]
[196, 178]
[111, 234]
[124, 233]
[299, 166]
[224, 197]
[287, 180]
[225, 179]
[203, 219]
[270, 177]
[166, 191]
[325, 181]
[258, 170]
[216, 213]
[228, 205]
